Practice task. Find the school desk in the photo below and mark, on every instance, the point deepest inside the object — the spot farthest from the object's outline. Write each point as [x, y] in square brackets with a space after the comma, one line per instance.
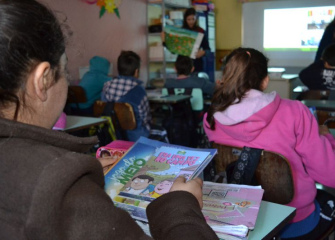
[74, 123]
[327, 105]
[169, 99]
[271, 219]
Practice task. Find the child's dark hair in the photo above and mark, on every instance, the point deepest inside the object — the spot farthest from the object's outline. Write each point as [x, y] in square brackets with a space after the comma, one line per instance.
[145, 177]
[328, 54]
[29, 34]
[183, 65]
[245, 69]
[188, 12]
[127, 63]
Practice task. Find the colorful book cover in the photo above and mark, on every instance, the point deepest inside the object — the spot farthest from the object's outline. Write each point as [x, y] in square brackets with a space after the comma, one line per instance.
[182, 41]
[232, 204]
[148, 170]
[115, 150]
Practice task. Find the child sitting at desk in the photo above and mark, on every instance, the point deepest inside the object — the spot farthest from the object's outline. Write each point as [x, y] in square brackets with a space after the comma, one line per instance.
[320, 75]
[184, 67]
[241, 114]
[128, 88]
[50, 189]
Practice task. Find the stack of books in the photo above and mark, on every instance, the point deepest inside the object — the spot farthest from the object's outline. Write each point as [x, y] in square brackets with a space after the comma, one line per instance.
[231, 210]
[147, 170]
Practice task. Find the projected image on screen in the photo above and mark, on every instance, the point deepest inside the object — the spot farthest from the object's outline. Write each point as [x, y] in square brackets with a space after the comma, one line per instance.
[295, 28]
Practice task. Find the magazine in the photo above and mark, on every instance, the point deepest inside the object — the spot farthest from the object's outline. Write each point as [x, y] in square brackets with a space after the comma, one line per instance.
[232, 204]
[148, 170]
[182, 41]
[115, 150]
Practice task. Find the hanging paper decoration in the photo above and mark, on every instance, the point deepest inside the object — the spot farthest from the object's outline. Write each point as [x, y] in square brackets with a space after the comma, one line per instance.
[111, 6]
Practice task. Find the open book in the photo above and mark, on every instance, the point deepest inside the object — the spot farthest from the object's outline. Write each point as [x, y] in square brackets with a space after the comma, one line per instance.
[182, 41]
[236, 206]
[148, 170]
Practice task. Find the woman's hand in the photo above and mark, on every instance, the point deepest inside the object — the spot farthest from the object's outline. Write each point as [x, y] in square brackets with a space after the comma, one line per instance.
[323, 130]
[163, 36]
[193, 186]
[200, 53]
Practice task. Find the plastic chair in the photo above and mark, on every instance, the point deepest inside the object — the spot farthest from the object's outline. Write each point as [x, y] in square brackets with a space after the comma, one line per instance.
[75, 95]
[273, 172]
[203, 75]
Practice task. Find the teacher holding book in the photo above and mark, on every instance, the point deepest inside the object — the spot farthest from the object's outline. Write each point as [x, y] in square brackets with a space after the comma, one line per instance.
[190, 23]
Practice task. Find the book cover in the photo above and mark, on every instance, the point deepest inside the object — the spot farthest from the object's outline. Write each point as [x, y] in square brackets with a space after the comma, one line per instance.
[182, 41]
[148, 170]
[115, 150]
[232, 204]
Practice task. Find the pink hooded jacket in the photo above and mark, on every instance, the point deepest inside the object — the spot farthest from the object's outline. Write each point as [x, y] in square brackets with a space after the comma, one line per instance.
[264, 120]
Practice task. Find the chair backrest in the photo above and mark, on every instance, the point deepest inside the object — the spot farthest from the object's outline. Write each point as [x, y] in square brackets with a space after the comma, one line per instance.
[122, 114]
[197, 100]
[273, 172]
[76, 94]
[314, 95]
[203, 75]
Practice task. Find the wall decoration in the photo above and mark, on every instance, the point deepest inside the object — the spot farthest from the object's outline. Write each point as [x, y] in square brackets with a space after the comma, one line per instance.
[111, 6]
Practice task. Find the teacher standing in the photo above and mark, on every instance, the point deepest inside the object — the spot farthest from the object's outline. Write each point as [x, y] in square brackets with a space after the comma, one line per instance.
[190, 23]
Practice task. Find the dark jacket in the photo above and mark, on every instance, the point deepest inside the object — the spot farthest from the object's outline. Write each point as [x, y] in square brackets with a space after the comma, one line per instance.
[50, 190]
[327, 39]
[205, 85]
[317, 77]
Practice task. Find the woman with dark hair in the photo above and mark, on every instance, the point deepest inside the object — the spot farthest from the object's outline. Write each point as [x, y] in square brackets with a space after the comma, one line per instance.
[190, 23]
[49, 188]
[328, 37]
[241, 114]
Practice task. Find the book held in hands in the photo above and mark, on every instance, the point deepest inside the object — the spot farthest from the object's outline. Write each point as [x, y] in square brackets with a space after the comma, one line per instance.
[182, 41]
[148, 170]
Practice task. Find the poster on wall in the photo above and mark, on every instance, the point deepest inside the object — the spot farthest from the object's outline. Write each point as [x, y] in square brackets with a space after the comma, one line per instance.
[111, 6]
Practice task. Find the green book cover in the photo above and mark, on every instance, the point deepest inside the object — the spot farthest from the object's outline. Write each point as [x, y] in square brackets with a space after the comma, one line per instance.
[182, 41]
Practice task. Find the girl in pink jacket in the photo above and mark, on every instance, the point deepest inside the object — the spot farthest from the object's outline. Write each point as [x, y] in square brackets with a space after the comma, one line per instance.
[242, 115]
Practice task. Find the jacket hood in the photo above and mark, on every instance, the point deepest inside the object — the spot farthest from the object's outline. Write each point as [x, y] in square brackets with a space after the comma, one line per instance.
[99, 64]
[248, 118]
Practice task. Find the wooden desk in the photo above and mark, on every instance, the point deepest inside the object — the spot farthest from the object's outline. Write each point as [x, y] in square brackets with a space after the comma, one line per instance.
[74, 123]
[327, 105]
[271, 219]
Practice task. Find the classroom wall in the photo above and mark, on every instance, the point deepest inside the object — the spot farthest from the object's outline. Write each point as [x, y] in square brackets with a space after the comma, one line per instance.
[228, 22]
[228, 26]
[105, 36]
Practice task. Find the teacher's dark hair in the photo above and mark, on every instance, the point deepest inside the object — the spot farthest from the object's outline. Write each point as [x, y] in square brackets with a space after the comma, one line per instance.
[245, 69]
[29, 34]
[189, 12]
